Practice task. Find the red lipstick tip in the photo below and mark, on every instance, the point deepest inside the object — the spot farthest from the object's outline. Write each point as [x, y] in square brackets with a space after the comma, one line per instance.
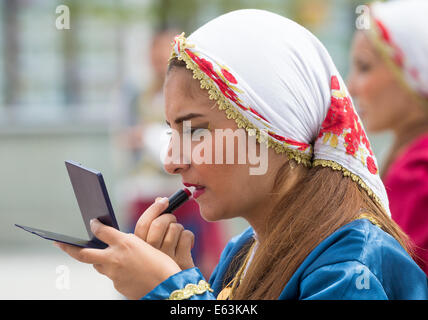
[189, 193]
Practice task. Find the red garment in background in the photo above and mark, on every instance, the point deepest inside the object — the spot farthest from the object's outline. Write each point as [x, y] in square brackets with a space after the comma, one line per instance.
[210, 237]
[406, 183]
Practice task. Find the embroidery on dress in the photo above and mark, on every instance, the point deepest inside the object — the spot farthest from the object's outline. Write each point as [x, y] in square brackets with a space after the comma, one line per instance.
[190, 290]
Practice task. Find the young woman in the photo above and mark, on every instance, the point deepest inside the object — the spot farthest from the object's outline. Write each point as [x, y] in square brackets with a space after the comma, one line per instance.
[320, 225]
[389, 78]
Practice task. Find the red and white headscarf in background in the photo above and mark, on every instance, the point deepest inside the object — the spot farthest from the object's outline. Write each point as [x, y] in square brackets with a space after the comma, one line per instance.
[273, 76]
[399, 30]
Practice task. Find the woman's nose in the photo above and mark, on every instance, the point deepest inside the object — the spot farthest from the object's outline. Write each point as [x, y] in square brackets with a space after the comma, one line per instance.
[175, 162]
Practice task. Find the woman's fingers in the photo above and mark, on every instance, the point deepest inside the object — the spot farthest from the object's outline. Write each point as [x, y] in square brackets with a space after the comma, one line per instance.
[183, 254]
[85, 255]
[164, 233]
[158, 229]
[134, 266]
[143, 224]
[178, 244]
[105, 233]
[171, 238]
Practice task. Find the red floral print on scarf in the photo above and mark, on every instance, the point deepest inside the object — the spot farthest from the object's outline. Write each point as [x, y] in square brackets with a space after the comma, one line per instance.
[301, 146]
[371, 165]
[341, 120]
[229, 76]
[207, 67]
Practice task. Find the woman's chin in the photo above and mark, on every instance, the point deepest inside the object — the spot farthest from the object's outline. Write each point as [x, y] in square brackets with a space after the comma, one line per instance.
[374, 127]
[208, 213]
[211, 209]
[373, 123]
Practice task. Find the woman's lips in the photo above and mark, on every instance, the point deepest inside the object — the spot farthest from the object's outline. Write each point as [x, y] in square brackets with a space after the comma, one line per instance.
[197, 193]
[199, 190]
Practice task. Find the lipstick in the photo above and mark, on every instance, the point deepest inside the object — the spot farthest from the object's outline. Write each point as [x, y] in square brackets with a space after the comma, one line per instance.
[177, 199]
[198, 189]
[198, 192]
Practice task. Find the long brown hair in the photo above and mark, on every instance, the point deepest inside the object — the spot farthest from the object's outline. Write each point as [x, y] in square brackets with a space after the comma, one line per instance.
[322, 201]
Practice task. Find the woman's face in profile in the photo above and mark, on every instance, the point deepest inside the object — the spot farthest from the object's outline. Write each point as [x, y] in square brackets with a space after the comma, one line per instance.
[227, 189]
[381, 100]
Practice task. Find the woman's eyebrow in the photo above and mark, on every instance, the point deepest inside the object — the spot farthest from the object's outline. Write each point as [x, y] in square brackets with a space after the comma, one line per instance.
[184, 118]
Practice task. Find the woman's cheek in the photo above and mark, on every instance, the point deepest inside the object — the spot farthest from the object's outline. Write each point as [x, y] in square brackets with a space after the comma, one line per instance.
[371, 103]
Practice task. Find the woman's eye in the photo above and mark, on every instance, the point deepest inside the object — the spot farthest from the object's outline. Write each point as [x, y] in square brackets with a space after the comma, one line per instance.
[191, 131]
[197, 131]
[363, 67]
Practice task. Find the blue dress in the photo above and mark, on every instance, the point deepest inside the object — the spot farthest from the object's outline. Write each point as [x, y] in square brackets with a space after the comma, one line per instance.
[358, 261]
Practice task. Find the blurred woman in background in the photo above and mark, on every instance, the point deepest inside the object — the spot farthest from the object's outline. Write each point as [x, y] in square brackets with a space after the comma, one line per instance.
[389, 81]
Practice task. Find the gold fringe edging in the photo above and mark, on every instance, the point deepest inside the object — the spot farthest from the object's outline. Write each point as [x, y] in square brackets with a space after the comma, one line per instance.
[335, 166]
[370, 218]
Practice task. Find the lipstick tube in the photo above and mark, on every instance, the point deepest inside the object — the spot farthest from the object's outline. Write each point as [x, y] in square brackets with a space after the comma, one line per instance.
[177, 199]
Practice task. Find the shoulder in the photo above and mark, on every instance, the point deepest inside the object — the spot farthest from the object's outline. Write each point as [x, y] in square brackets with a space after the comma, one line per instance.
[419, 143]
[406, 182]
[412, 163]
[358, 240]
[361, 248]
[416, 150]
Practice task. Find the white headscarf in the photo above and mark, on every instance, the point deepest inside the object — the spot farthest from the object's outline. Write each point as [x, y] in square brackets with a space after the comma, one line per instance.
[399, 29]
[269, 73]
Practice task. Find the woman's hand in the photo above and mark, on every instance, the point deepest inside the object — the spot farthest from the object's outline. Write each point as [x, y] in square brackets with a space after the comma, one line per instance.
[164, 233]
[134, 266]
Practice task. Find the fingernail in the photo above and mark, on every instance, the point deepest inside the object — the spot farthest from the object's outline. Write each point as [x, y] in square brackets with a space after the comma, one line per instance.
[163, 200]
[94, 224]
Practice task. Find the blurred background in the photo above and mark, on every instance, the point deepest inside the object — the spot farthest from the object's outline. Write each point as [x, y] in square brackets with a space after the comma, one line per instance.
[84, 83]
